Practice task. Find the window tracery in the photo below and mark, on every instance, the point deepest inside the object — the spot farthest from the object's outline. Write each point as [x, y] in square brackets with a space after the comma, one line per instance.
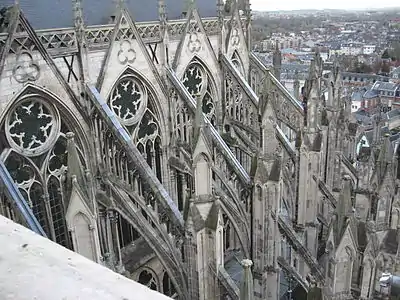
[254, 81]
[168, 286]
[132, 102]
[128, 100]
[37, 159]
[148, 279]
[198, 82]
[237, 62]
[183, 120]
[32, 126]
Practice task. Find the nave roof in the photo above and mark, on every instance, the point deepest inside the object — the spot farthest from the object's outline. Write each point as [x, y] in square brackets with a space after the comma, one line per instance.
[46, 14]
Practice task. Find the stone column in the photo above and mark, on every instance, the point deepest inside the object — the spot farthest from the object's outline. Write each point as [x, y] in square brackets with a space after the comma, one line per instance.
[113, 239]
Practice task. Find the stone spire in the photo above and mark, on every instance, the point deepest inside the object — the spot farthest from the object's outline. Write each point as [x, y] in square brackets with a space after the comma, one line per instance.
[247, 14]
[78, 18]
[162, 12]
[296, 86]
[247, 289]
[189, 4]
[277, 61]
[221, 25]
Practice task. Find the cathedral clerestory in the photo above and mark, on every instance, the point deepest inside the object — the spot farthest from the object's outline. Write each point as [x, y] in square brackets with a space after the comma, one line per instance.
[165, 150]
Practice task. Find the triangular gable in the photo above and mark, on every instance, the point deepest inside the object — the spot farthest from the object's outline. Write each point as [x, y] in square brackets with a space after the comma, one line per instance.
[347, 240]
[28, 61]
[77, 204]
[127, 51]
[372, 247]
[269, 121]
[236, 40]
[202, 145]
[195, 43]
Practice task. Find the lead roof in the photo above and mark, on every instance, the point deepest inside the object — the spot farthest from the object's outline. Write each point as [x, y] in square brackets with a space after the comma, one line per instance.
[48, 14]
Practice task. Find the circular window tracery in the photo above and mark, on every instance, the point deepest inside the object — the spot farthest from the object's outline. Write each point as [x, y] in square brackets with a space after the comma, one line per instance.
[194, 80]
[129, 100]
[148, 279]
[197, 82]
[32, 126]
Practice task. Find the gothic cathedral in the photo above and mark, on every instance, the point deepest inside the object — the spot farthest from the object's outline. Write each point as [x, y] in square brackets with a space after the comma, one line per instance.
[168, 152]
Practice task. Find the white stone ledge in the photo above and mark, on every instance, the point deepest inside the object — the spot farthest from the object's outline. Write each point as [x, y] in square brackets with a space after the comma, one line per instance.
[32, 267]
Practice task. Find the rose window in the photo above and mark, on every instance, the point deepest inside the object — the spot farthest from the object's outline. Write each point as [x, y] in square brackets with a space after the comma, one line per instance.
[193, 80]
[129, 100]
[198, 83]
[32, 127]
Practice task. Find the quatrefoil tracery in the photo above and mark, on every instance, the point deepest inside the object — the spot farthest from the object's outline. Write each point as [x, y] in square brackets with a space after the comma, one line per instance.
[194, 43]
[235, 40]
[126, 53]
[25, 68]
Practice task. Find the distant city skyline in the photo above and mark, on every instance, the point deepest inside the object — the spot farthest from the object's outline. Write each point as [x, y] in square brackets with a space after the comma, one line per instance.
[265, 5]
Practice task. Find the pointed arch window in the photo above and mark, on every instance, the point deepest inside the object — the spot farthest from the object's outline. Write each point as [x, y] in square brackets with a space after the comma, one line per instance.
[198, 82]
[183, 120]
[148, 278]
[237, 62]
[35, 154]
[133, 103]
[254, 80]
[227, 232]
[168, 287]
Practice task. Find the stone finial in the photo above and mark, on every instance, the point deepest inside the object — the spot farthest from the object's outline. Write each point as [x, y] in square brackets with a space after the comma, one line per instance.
[120, 4]
[70, 136]
[162, 11]
[247, 263]
[247, 289]
[78, 15]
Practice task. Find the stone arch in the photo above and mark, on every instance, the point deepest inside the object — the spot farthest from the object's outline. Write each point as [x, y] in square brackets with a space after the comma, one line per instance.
[83, 238]
[157, 106]
[367, 277]
[202, 156]
[255, 80]
[35, 126]
[148, 277]
[238, 62]
[67, 115]
[259, 192]
[198, 80]
[134, 101]
[168, 286]
[227, 232]
[350, 253]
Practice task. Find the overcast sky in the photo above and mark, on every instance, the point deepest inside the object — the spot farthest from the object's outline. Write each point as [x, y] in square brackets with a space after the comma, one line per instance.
[269, 5]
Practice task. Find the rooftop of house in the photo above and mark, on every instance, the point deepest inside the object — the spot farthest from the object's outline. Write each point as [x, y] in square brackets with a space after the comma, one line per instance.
[385, 86]
[99, 12]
